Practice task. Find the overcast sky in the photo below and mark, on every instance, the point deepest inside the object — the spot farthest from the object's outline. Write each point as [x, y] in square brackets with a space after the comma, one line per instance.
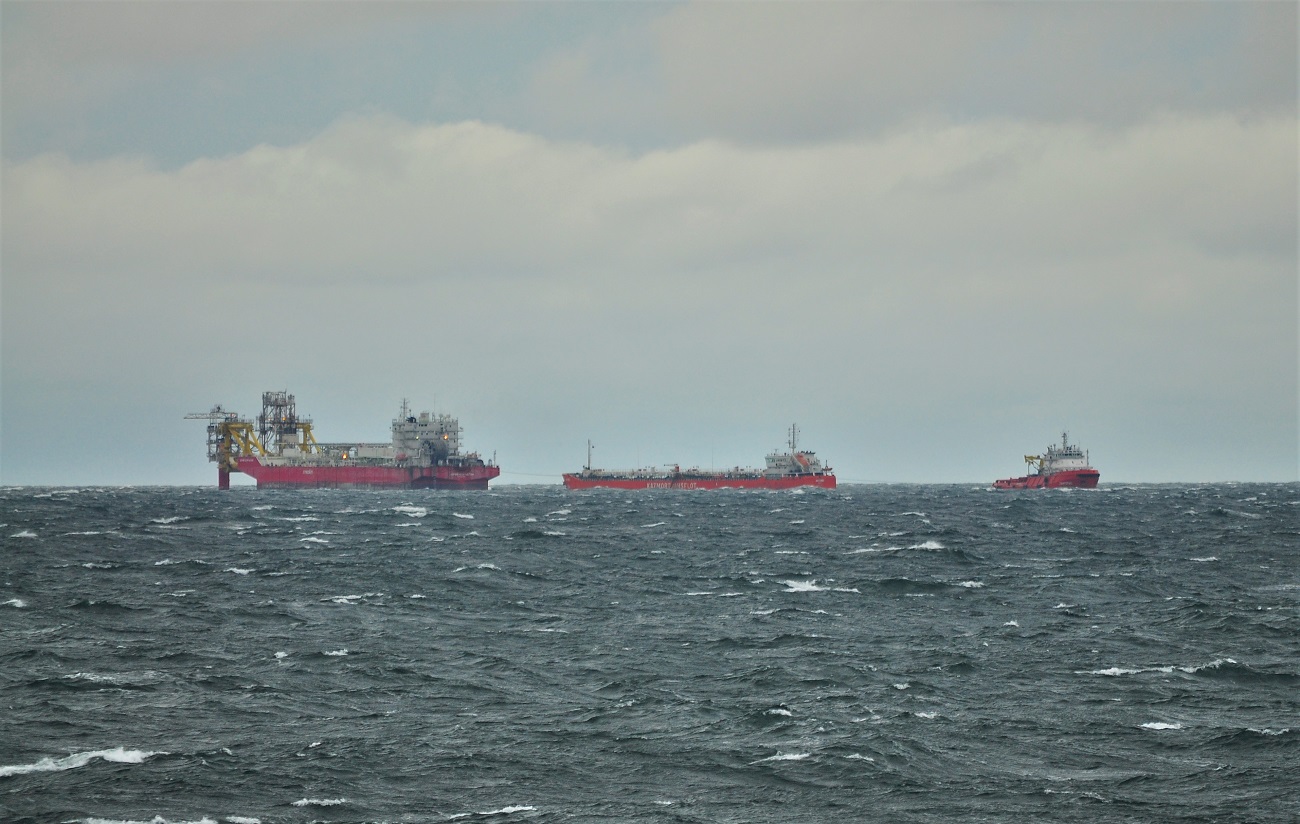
[934, 235]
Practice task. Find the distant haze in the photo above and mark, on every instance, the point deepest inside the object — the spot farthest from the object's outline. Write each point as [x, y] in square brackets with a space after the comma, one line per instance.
[933, 235]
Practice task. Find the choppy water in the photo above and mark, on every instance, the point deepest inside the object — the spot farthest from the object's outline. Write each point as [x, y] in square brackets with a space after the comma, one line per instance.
[877, 653]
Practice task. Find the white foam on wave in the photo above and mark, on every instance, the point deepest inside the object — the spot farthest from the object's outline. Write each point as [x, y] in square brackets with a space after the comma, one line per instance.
[16, 603]
[119, 755]
[352, 599]
[1206, 559]
[312, 539]
[411, 511]
[1011, 624]
[554, 533]
[785, 756]
[927, 545]
[649, 526]
[798, 521]
[93, 678]
[319, 802]
[243, 819]
[169, 520]
[238, 570]
[462, 516]
[1254, 516]
[1213, 665]
[1160, 725]
[560, 512]
[971, 584]
[157, 819]
[300, 518]
[928, 716]
[337, 653]
[26, 533]
[518, 808]
[1112, 672]
[804, 586]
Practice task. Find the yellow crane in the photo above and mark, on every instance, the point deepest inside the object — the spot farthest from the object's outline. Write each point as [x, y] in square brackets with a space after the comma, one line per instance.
[229, 436]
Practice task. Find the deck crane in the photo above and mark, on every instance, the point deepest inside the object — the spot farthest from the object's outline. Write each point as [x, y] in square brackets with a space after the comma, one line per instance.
[278, 428]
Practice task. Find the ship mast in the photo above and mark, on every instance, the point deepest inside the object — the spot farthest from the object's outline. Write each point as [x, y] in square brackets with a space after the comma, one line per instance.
[794, 438]
[589, 454]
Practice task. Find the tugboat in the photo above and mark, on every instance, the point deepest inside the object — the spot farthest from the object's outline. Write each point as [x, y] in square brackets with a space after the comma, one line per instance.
[784, 470]
[1061, 466]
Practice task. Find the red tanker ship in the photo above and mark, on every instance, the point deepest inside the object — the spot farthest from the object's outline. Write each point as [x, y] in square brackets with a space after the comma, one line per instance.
[784, 470]
[282, 451]
[1061, 466]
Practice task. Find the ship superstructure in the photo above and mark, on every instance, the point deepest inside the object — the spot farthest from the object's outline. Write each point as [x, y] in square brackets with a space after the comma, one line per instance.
[1060, 466]
[783, 470]
[281, 450]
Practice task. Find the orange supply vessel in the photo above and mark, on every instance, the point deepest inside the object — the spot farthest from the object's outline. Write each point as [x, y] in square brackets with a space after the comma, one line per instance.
[1061, 466]
[281, 450]
[784, 470]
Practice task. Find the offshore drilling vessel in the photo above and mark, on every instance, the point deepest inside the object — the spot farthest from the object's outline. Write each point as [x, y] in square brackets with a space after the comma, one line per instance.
[1060, 466]
[281, 450]
[784, 470]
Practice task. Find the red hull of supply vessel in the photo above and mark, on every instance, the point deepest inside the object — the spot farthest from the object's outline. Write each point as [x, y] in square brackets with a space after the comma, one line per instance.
[281, 450]
[413, 477]
[1064, 466]
[784, 470]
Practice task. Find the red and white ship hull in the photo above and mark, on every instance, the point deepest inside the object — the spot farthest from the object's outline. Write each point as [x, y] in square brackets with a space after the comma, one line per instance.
[785, 470]
[1075, 479]
[415, 477]
[578, 481]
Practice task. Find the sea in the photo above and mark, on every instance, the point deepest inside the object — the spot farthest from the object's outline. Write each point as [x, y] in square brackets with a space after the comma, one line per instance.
[887, 653]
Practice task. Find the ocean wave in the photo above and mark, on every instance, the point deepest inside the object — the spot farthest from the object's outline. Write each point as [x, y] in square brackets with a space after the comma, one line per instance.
[117, 755]
[784, 756]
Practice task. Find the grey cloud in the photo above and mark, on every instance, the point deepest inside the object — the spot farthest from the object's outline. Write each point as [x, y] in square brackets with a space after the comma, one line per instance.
[554, 287]
[810, 70]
